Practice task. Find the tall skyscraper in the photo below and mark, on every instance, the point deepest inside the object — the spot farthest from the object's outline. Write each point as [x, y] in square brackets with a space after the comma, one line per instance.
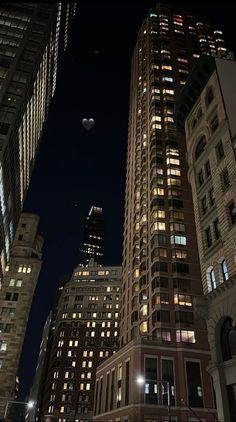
[92, 245]
[84, 331]
[16, 296]
[32, 37]
[165, 344]
[210, 128]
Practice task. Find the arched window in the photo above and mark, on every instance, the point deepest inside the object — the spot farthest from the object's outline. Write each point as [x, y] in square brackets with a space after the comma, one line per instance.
[209, 96]
[200, 147]
[212, 279]
[228, 340]
[225, 271]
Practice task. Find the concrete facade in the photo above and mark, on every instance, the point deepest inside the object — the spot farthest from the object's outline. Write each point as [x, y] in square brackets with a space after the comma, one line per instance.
[16, 294]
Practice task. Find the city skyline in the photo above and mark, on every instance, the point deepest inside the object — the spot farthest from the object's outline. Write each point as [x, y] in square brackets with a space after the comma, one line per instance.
[78, 206]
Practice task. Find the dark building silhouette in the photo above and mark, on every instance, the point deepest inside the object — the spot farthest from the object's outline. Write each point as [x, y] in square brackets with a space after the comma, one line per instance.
[92, 245]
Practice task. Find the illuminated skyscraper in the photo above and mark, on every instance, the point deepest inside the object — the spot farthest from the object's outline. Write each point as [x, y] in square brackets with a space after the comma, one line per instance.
[92, 245]
[84, 331]
[165, 349]
[32, 38]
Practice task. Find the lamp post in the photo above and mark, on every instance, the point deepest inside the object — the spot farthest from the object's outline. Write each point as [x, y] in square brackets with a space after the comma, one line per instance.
[29, 404]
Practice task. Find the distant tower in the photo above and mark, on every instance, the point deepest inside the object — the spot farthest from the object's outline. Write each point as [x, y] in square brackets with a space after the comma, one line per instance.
[92, 245]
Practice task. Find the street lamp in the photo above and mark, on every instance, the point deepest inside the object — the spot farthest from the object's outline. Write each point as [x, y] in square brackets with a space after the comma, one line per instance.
[30, 405]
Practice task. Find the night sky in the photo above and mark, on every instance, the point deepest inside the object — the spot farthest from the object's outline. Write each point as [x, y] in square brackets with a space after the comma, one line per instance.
[75, 168]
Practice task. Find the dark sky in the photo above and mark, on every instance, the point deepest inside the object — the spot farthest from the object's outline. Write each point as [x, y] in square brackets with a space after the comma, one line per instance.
[88, 168]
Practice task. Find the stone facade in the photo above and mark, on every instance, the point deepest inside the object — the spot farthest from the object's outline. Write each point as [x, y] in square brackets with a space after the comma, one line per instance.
[210, 133]
[16, 294]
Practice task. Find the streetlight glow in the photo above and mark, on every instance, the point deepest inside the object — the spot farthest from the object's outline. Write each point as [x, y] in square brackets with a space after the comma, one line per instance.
[30, 404]
[140, 380]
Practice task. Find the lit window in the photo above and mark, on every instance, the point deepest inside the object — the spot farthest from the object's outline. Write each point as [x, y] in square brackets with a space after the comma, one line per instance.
[156, 126]
[185, 336]
[158, 191]
[168, 91]
[212, 279]
[158, 226]
[3, 345]
[172, 161]
[156, 118]
[183, 300]
[173, 172]
[225, 271]
[178, 240]
[167, 79]
[144, 327]
[166, 67]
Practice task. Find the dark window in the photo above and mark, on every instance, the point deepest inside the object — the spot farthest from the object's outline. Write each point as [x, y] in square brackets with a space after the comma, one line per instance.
[194, 384]
[208, 236]
[127, 383]
[231, 389]
[151, 391]
[200, 147]
[183, 285]
[228, 340]
[217, 228]
[207, 169]
[107, 392]
[23, 225]
[162, 315]
[100, 396]
[80, 297]
[96, 397]
[159, 266]
[209, 96]
[20, 237]
[185, 317]
[179, 267]
[112, 389]
[168, 376]
[204, 205]
[160, 282]
[225, 179]
[214, 123]
[232, 212]
[212, 197]
[200, 178]
[220, 150]
[15, 296]
[8, 296]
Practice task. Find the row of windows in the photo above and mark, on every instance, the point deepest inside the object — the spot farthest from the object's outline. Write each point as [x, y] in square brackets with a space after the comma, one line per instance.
[21, 269]
[231, 211]
[211, 278]
[77, 315]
